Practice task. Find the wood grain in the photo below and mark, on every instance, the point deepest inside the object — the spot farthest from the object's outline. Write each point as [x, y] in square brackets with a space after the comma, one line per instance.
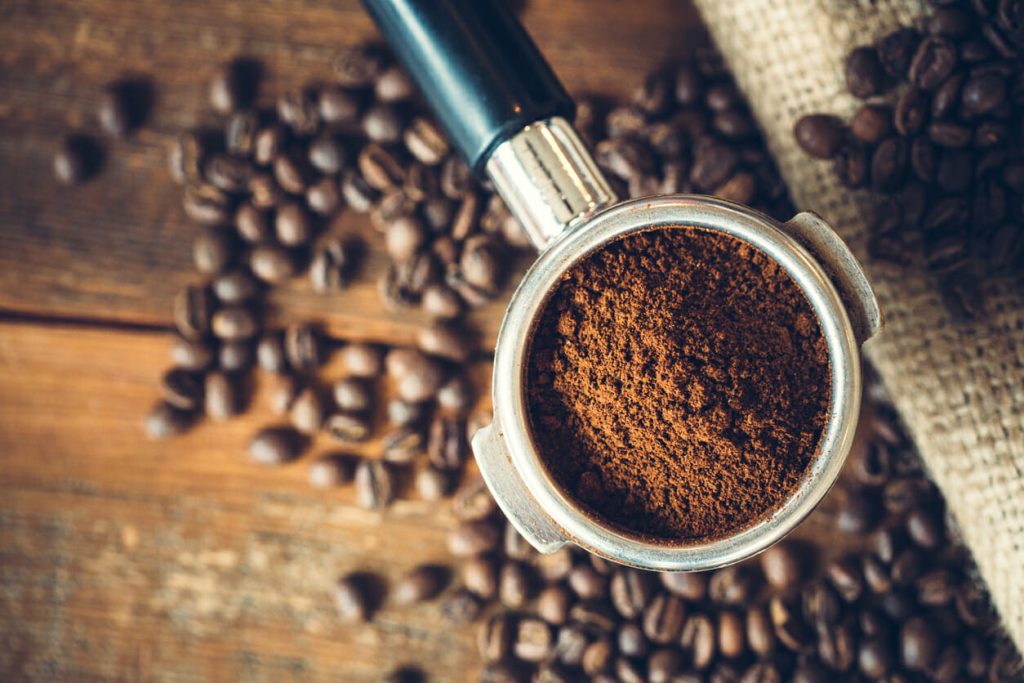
[124, 559]
[118, 247]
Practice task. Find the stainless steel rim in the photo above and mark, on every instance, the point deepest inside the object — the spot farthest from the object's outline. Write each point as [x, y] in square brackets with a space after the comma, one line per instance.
[510, 411]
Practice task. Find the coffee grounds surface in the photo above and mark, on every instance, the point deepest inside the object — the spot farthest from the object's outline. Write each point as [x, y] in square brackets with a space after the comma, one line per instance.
[678, 384]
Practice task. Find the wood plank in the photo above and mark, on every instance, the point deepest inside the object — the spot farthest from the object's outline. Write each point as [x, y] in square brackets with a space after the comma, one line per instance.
[122, 559]
[118, 247]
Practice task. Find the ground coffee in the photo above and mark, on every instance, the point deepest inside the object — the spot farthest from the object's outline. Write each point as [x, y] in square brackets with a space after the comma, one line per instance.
[678, 384]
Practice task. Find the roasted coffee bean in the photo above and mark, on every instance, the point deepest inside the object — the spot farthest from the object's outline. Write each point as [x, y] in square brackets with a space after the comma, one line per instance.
[456, 178]
[874, 658]
[221, 397]
[193, 310]
[473, 537]
[206, 204]
[425, 141]
[270, 352]
[845, 576]
[374, 486]
[353, 598]
[323, 197]
[759, 633]
[352, 395]
[432, 484]
[164, 421]
[284, 389]
[269, 143]
[228, 173]
[326, 154]
[304, 346]
[872, 123]
[919, 644]
[403, 445]
[587, 583]
[821, 604]
[790, 630]
[924, 525]
[731, 634]
[421, 583]
[274, 445]
[691, 586]
[292, 225]
[240, 133]
[533, 640]
[515, 584]
[570, 645]
[627, 671]
[983, 93]
[782, 566]
[480, 576]
[896, 50]
[348, 429]
[114, 112]
[494, 638]
[337, 105]
[597, 657]
[473, 501]
[272, 264]
[864, 74]
[404, 237]
[228, 89]
[307, 412]
[235, 356]
[630, 591]
[663, 665]
[234, 322]
[947, 134]
[383, 124]
[330, 471]
[358, 195]
[818, 135]
[447, 448]
[298, 110]
[332, 266]
[290, 173]
[932, 63]
[213, 251]
[181, 389]
[852, 165]
[444, 341]
[191, 355]
[380, 168]
[515, 546]
[699, 638]
[235, 287]
[837, 646]
[252, 224]
[420, 381]
[456, 395]
[553, 604]
[732, 585]
[663, 618]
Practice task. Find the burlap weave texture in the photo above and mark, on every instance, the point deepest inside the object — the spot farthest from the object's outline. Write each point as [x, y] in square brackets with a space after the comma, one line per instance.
[959, 386]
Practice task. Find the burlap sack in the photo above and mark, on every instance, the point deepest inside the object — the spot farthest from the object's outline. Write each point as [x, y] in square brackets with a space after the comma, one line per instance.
[959, 387]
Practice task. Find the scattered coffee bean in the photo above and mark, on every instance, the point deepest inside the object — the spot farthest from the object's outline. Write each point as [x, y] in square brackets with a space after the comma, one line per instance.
[165, 421]
[275, 446]
[330, 471]
[374, 486]
[420, 584]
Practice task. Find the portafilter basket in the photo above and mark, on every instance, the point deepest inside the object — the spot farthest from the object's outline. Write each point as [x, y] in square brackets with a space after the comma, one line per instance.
[507, 114]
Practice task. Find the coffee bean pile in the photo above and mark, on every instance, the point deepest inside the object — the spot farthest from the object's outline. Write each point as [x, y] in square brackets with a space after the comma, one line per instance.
[685, 130]
[892, 597]
[265, 187]
[940, 134]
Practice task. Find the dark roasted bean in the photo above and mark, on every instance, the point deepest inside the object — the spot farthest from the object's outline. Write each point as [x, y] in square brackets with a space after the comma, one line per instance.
[213, 250]
[164, 421]
[192, 355]
[932, 63]
[421, 583]
[663, 618]
[274, 445]
[473, 538]
[330, 471]
[193, 310]
[818, 135]
[374, 486]
[181, 389]
[864, 75]
[272, 264]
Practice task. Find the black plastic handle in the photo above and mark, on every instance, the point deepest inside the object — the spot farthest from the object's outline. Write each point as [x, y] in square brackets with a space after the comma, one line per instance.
[476, 65]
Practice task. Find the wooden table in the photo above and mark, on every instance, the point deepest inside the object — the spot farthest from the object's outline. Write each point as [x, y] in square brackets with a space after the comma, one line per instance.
[122, 559]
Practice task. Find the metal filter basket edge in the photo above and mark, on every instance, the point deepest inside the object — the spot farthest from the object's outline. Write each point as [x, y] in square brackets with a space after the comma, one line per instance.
[821, 265]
